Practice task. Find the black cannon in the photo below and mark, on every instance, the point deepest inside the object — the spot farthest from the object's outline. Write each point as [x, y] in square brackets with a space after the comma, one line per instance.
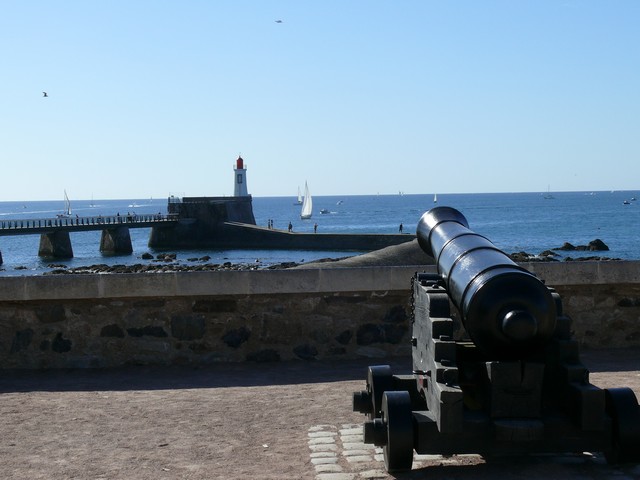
[510, 383]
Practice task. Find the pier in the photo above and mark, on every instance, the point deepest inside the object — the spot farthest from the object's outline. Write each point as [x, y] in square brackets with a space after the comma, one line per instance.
[192, 223]
[54, 232]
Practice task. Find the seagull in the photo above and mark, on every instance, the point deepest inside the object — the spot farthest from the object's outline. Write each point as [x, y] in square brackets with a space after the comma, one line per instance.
[44, 94]
[278, 21]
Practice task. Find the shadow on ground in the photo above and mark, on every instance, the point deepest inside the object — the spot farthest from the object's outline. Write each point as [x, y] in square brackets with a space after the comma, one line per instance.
[245, 374]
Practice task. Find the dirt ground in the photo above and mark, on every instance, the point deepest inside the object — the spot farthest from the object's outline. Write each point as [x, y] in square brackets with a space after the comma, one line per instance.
[232, 421]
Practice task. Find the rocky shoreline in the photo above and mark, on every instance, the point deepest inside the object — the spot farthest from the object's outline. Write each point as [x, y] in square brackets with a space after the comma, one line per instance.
[168, 262]
[407, 254]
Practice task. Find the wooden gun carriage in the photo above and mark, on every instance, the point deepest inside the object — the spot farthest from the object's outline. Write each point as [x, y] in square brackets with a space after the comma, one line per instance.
[514, 385]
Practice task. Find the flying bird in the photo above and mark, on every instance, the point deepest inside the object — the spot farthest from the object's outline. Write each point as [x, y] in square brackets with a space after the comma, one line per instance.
[44, 94]
[278, 21]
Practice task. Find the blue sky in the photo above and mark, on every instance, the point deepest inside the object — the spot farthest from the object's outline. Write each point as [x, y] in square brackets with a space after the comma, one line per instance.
[152, 98]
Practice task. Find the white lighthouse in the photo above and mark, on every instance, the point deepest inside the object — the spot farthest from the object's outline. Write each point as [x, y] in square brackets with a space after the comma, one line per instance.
[240, 183]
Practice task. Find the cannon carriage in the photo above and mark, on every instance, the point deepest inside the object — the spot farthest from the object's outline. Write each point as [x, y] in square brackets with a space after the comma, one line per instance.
[513, 384]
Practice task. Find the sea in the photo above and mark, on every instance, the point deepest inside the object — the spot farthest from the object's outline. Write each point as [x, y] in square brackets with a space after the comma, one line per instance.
[514, 222]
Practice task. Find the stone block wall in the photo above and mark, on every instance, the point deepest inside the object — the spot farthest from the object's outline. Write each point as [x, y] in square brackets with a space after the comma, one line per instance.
[604, 316]
[205, 317]
[202, 330]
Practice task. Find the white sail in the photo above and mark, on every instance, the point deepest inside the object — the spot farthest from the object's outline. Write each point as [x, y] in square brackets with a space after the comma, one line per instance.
[67, 204]
[67, 207]
[435, 198]
[307, 203]
[299, 202]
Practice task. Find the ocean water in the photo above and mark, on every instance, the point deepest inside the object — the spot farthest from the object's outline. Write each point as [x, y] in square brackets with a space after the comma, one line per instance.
[512, 221]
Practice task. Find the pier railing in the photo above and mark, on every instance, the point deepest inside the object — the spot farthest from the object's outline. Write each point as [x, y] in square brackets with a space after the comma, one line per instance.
[98, 222]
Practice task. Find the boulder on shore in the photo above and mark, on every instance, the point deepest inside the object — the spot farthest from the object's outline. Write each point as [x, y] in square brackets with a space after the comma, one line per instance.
[596, 245]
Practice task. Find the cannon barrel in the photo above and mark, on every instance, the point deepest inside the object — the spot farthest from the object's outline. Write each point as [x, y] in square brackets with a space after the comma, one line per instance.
[505, 309]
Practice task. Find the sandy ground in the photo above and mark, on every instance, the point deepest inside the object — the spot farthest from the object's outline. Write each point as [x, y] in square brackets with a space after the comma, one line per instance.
[232, 421]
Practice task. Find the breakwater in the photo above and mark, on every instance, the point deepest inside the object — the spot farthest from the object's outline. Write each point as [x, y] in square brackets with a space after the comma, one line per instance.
[228, 222]
[205, 317]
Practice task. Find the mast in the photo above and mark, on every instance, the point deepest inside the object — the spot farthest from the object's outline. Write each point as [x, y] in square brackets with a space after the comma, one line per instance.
[67, 204]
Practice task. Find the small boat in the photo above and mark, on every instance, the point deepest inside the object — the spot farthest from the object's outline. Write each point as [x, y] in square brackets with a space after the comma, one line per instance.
[548, 195]
[435, 198]
[339, 202]
[307, 203]
[299, 201]
[633, 199]
[626, 202]
[324, 211]
[66, 213]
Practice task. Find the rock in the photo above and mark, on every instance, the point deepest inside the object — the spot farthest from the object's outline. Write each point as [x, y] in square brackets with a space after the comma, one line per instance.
[148, 330]
[369, 333]
[591, 259]
[524, 257]
[593, 246]
[112, 330]
[521, 257]
[22, 340]
[51, 313]
[597, 245]
[60, 344]
[345, 337]
[187, 327]
[235, 338]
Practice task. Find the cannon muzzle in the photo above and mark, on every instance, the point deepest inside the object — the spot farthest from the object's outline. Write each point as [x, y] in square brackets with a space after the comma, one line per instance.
[505, 309]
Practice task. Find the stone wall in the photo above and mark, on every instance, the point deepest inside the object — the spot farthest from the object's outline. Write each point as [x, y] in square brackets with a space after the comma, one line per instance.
[205, 317]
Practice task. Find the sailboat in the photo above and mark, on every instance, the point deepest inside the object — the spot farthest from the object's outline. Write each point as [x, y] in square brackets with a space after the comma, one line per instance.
[299, 202]
[307, 203]
[435, 198]
[67, 207]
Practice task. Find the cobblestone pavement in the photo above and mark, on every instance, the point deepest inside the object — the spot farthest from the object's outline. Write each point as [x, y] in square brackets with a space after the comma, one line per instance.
[338, 453]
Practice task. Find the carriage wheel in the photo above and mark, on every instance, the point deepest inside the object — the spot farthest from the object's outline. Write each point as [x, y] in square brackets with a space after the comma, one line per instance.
[398, 419]
[379, 380]
[622, 406]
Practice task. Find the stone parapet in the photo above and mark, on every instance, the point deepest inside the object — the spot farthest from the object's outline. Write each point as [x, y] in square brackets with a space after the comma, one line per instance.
[61, 321]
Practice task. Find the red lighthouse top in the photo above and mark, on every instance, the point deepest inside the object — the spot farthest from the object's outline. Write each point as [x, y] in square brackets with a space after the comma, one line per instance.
[239, 163]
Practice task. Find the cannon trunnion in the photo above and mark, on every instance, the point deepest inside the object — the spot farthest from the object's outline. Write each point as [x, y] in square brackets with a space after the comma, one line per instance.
[513, 384]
